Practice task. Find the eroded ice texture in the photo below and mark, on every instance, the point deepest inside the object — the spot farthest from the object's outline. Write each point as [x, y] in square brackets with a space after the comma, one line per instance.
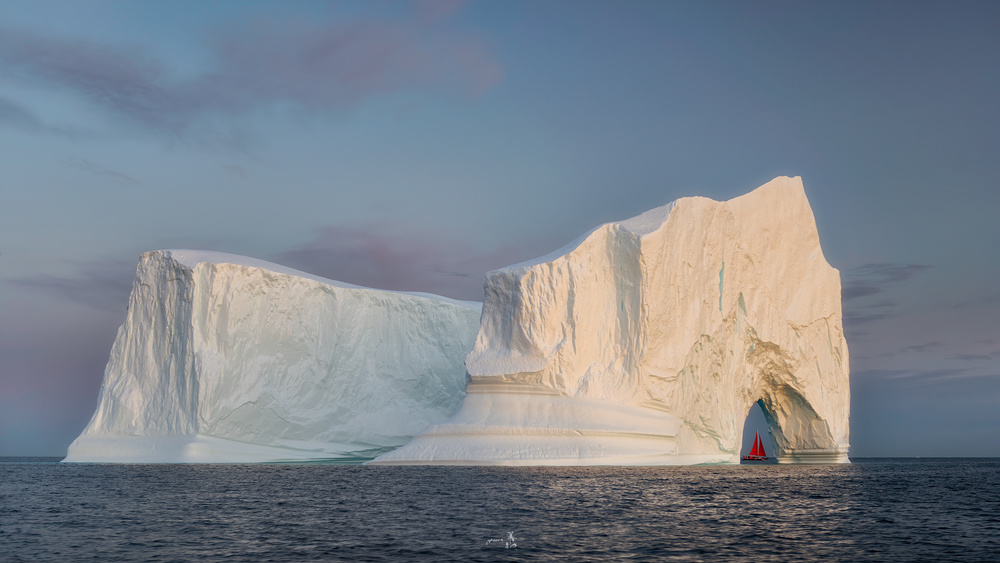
[646, 342]
[225, 358]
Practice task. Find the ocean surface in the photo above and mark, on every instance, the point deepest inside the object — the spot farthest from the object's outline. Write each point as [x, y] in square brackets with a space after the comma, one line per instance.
[872, 510]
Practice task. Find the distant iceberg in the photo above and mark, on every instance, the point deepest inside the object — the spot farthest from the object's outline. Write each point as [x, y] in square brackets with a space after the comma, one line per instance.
[646, 342]
[225, 358]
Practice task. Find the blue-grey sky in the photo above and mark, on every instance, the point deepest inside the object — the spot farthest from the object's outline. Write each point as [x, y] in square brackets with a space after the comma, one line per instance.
[418, 145]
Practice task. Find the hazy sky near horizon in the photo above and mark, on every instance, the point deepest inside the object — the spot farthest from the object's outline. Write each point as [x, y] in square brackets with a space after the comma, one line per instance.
[418, 145]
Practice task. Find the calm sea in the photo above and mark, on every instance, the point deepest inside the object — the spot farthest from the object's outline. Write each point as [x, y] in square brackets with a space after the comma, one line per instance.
[873, 510]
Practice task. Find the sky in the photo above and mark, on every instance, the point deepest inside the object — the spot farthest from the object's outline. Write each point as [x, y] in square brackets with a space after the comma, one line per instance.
[417, 145]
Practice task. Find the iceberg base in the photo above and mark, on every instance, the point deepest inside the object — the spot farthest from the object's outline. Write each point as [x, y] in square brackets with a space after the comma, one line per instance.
[521, 424]
[813, 456]
[197, 448]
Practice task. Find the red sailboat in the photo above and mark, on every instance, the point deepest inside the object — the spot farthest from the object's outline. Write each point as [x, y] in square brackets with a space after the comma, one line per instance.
[757, 452]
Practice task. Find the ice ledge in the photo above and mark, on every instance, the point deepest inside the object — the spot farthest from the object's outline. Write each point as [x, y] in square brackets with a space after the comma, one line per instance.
[191, 259]
[199, 448]
[808, 457]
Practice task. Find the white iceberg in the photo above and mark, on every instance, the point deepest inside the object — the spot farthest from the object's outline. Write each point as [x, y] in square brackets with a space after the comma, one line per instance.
[224, 358]
[646, 342]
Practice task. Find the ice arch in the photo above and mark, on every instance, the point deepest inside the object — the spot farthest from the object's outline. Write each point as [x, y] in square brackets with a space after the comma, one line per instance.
[756, 424]
[643, 341]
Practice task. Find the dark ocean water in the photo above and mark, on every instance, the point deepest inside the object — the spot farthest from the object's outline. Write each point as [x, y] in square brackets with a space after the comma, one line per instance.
[872, 510]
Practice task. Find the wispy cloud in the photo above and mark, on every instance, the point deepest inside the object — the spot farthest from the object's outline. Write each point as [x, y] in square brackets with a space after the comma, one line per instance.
[872, 279]
[377, 257]
[862, 315]
[938, 375]
[102, 171]
[929, 347]
[917, 348]
[973, 357]
[942, 374]
[102, 284]
[315, 65]
[980, 302]
[17, 116]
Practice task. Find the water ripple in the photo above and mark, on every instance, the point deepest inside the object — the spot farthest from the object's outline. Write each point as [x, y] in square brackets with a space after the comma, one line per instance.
[875, 510]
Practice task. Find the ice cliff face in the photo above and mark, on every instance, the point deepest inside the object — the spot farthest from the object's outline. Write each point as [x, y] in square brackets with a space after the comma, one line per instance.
[647, 341]
[228, 359]
[643, 342]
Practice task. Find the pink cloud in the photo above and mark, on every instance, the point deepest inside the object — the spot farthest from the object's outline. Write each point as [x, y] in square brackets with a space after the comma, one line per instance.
[321, 66]
[378, 257]
[333, 65]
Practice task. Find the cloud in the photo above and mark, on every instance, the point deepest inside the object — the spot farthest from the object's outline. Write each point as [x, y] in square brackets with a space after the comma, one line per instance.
[916, 376]
[924, 347]
[318, 66]
[876, 374]
[869, 280]
[126, 79]
[979, 302]
[860, 315]
[15, 115]
[99, 170]
[872, 279]
[973, 357]
[378, 257]
[931, 375]
[103, 284]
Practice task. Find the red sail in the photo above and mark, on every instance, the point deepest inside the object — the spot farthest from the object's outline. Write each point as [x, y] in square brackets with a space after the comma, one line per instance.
[758, 447]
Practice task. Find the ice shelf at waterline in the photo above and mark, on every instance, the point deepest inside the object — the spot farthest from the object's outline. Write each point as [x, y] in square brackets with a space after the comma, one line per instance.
[224, 358]
[646, 341]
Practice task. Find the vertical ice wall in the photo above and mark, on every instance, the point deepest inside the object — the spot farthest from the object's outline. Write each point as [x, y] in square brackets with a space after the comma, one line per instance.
[228, 359]
[646, 342]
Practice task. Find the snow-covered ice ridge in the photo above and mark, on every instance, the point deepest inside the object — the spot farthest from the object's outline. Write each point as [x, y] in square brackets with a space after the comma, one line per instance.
[647, 341]
[224, 358]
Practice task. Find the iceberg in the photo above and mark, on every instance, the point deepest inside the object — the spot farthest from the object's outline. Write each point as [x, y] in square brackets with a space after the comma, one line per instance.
[646, 342]
[225, 359]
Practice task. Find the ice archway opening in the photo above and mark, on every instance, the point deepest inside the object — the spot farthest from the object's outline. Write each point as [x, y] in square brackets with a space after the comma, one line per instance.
[758, 421]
